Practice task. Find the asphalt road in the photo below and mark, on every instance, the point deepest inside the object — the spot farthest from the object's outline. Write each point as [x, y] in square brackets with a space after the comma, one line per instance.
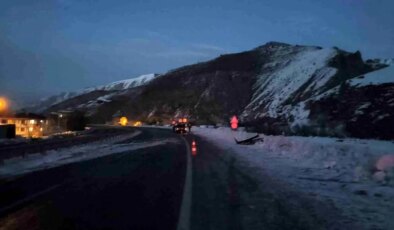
[139, 189]
[144, 189]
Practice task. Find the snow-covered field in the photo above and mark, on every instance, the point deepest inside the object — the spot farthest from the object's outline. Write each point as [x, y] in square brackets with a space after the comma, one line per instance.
[53, 158]
[357, 176]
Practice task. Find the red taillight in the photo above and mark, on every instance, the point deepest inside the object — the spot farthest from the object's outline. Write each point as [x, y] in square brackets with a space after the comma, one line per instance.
[194, 148]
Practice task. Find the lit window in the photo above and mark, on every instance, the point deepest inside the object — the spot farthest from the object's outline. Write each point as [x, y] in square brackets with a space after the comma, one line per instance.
[32, 122]
[30, 129]
[42, 121]
[41, 129]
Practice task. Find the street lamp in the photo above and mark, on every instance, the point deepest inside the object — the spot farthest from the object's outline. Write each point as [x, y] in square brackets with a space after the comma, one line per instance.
[3, 104]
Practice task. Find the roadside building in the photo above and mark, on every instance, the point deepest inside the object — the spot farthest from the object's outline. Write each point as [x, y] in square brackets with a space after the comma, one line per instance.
[66, 120]
[57, 121]
[26, 124]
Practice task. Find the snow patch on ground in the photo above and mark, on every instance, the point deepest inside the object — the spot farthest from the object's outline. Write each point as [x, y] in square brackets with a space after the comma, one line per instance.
[13, 140]
[355, 175]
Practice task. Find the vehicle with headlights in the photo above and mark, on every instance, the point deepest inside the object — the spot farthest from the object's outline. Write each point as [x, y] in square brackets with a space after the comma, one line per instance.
[181, 126]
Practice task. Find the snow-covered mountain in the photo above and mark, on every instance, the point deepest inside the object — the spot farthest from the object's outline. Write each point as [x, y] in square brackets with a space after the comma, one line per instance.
[128, 83]
[107, 91]
[378, 77]
[287, 69]
[275, 88]
[281, 88]
[316, 91]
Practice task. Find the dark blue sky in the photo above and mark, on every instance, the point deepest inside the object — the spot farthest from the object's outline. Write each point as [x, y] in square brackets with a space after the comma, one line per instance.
[52, 46]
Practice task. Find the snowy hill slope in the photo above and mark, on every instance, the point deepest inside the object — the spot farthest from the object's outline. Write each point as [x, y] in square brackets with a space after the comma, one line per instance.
[362, 106]
[128, 83]
[106, 90]
[382, 76]
[288, 69]
[315, 91]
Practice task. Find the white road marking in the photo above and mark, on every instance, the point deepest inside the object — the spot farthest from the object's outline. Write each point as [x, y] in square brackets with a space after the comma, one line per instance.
[184, 215]
[29, 198]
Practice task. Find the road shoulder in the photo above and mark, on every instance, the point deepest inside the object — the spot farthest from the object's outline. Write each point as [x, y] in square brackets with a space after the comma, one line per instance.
[229, 192]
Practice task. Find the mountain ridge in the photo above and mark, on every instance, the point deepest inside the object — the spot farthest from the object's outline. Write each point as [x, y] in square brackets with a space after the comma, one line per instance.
[47, 102]
[274, 88]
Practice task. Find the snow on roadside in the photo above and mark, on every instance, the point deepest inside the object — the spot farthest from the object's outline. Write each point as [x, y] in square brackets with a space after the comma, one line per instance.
[355, 175]
[13, 140]
[53, 158]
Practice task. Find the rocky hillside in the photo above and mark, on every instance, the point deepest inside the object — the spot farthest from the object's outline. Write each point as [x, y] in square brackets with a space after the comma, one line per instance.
[275, 88]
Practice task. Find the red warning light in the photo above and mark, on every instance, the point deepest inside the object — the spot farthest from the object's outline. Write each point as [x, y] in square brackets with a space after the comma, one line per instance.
[234, 122]
[194, 148]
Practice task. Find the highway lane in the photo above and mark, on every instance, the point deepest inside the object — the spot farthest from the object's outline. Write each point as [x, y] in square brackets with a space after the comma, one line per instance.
[144, 189]
[139, 189]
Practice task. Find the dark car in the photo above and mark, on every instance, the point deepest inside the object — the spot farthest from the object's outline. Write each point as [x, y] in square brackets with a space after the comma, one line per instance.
[181, 128]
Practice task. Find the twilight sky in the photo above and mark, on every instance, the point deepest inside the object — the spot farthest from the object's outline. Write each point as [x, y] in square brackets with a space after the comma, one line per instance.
[50, 46]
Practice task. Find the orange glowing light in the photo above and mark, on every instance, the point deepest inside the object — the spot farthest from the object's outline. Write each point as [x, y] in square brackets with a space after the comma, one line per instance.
[184, 120]
[123, 121]
[3, 104]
